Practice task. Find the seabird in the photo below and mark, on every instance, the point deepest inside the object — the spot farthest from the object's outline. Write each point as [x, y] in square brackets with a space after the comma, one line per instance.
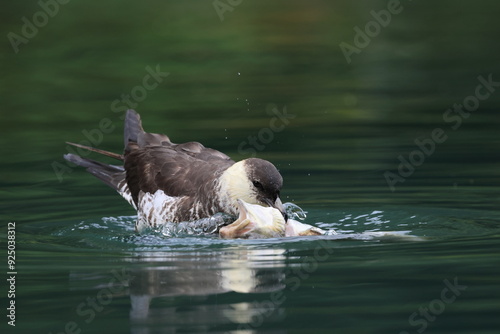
[167, 182]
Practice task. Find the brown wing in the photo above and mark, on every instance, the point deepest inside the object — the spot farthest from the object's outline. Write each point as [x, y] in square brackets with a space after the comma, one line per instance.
[171, 169]
[153, 162]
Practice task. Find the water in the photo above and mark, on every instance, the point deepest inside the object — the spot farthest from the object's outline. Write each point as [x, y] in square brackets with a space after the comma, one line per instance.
[79, 264]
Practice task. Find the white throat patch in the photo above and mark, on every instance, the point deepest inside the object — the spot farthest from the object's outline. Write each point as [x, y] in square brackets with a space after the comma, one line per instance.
[234, 184]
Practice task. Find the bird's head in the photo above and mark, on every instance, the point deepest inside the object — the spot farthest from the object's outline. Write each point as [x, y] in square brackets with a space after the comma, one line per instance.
[254, 181]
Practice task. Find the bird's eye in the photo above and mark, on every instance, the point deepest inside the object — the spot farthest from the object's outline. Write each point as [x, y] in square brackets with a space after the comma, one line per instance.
[257, 185]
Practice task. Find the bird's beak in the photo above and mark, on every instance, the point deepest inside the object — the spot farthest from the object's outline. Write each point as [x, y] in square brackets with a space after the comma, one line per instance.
[277, 205]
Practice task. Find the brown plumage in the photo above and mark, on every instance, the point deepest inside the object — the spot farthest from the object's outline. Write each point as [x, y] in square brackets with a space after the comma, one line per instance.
[181, 182]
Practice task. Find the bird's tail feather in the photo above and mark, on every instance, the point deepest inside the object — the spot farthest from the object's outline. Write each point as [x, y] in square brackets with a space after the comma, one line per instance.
[113, 176]
[93, 149]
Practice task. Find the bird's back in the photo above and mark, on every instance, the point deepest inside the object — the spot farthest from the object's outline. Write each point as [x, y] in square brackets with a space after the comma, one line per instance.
[153, 162]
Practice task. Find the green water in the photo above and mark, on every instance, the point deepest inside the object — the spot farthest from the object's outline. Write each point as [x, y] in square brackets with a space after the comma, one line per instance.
[82, 269]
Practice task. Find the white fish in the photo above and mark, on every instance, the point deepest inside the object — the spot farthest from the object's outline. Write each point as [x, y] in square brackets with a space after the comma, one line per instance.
[256, 221]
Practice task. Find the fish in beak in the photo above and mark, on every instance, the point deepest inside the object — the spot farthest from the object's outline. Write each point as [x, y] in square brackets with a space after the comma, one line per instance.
[256, 221]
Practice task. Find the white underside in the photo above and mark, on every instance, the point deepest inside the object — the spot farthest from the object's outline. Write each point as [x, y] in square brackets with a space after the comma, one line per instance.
[153, 210]
[156, 209]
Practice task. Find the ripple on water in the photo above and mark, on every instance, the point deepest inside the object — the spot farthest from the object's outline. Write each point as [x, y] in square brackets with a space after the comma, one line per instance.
[357, 224]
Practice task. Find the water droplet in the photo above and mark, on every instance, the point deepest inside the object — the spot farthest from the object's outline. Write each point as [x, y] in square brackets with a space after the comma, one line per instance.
[294, 211]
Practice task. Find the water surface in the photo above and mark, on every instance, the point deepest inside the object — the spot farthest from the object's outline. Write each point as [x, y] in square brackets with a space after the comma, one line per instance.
[81, 266]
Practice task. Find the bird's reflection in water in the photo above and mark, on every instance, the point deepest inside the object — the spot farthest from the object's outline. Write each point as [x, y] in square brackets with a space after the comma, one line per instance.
[192, 290]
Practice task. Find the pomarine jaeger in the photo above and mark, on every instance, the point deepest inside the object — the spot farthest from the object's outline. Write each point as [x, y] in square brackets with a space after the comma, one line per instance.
[167, 182]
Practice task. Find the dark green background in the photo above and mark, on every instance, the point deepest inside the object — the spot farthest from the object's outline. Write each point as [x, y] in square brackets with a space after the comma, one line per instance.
[351, 123]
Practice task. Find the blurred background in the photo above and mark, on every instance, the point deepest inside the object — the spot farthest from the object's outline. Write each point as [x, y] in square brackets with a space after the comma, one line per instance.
[351, 123]
[67, 70]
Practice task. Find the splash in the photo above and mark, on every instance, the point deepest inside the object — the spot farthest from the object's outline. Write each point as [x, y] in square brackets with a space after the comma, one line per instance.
[196, 228]
[294, 211]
